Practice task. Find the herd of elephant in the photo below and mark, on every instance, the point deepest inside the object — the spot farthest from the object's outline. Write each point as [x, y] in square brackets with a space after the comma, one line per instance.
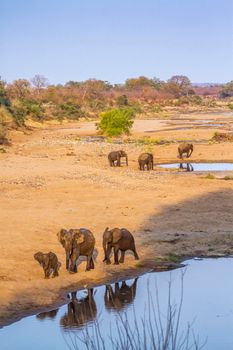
[146, 160]
[81, 242]
[84, 310]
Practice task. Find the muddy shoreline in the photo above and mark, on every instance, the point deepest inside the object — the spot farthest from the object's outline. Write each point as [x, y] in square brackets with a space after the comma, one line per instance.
[147, 266]
[171, 214]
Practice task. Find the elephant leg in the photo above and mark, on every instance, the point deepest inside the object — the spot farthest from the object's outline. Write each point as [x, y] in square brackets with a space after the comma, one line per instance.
[122, 258]
[55, 271]
[148, 166]
[88, 267]
[135, 253]
[46, 272]
[118, 161]
[92, 266]
[67, 260]
[108, 252]
[116, 250]
[73, 261]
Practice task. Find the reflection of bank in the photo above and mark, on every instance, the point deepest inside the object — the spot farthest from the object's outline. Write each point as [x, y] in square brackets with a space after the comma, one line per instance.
[79, 312]
[186, 166]
[119, 297]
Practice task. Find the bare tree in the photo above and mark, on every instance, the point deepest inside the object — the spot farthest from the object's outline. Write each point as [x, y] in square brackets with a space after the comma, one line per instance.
[39, 81]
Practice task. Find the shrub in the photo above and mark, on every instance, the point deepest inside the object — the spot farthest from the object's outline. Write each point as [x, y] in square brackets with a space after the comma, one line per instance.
[122, 101]
[210, 176]
[228, 177]
[70, 110]
[230, 105]
[34, 109]
[116, 122]
[19, 113]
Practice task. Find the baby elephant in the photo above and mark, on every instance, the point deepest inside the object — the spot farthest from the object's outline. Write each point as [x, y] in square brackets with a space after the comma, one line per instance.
[118, 239]
[49, 262]
[185, 148]
[114, 158]
[146, 159]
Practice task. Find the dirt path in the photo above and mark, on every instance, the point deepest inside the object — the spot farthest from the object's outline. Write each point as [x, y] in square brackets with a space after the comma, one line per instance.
[51, 179]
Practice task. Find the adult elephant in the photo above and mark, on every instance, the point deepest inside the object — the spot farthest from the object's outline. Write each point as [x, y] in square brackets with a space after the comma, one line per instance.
[79, 312]
[185, 148]
[77, 242]
[114, 158]
[146, 159]
[119, 240]
[121, 296]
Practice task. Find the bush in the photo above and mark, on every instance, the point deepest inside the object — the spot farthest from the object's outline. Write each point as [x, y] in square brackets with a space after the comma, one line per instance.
[122, 101]
[230, 105]
[34, 109]
[210, 176]
[116, 122]
[70, 110]
[19, 113]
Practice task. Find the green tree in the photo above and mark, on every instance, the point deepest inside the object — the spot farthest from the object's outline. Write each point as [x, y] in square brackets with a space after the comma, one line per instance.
[227, 90]
[116, 122]
[180, 83]
[139, 83]
[3, 94]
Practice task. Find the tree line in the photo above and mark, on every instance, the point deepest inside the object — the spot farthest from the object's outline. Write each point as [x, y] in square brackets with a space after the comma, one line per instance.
[39, 100]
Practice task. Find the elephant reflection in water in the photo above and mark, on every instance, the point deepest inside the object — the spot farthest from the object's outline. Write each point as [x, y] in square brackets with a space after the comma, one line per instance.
[121, 297]
[79, 312]
[49, 314]
[186, 166]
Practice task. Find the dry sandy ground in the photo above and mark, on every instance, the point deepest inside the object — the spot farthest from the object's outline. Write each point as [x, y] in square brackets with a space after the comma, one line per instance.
[52, 178]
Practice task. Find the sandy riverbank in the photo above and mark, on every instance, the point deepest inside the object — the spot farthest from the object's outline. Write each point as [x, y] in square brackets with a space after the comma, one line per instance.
[50, 178]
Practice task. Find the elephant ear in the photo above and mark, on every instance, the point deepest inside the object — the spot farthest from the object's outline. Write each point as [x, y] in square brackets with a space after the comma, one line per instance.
[61, 234]
[79, 238]
[116, 235]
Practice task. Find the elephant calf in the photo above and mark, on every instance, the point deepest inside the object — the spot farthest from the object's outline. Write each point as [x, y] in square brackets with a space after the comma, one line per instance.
[114, 158]
[77, 242]
[49, 262]
[118, 239]
[146, 159]
[185, 148]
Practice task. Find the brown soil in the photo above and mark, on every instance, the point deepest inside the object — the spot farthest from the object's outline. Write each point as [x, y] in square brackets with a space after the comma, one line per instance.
[52, 178]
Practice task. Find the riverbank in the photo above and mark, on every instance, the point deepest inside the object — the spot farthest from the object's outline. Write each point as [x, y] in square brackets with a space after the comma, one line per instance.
[52, 178]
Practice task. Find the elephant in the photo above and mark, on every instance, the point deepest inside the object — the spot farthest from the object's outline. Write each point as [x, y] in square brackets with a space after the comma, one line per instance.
[49, 262]
[118, 239]
[115, 156]
[188, 167]
[121, 297]
[48, 314]
[185, 148]
[77, 242]
[146, 159]
[79, 312]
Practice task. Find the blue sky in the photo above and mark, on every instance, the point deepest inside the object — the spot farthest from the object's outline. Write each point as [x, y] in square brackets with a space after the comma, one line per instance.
[116, 39]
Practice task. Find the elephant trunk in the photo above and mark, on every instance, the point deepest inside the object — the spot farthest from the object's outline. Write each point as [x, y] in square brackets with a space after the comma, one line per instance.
[126, 158]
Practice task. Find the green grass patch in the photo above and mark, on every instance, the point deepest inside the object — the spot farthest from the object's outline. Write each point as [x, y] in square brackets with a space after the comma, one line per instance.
[210, 176]
[173, 258]
[228, 177]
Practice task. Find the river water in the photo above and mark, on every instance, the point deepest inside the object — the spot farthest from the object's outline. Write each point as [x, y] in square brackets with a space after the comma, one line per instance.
[201, 166]
[198, 297]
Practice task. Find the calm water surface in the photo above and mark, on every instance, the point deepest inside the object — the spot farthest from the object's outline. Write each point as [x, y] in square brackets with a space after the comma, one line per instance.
[207, 305]
[202, 166]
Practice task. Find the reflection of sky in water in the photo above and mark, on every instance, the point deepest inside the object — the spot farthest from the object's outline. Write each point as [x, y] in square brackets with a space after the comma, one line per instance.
[208, 301]
[203, 166]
